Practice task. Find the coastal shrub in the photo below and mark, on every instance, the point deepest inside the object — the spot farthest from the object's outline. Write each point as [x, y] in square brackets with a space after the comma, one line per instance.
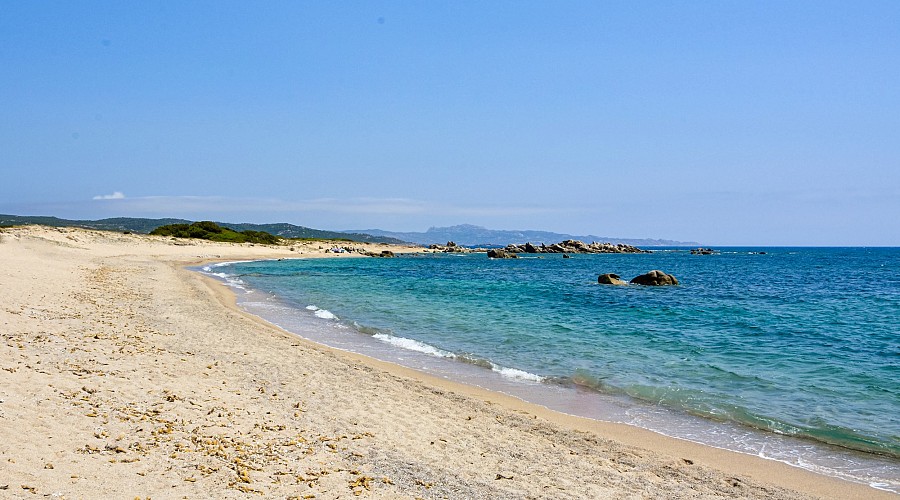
[261, 237]
[208, 226]
[198, 232]
[172, 230]
[207, 230]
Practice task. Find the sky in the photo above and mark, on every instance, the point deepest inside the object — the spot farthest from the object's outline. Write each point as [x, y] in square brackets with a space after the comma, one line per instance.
[722, 122]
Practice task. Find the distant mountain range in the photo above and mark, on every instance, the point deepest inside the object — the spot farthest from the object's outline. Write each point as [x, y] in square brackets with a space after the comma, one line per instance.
[144, 226]
[465, 234]
[469, 235]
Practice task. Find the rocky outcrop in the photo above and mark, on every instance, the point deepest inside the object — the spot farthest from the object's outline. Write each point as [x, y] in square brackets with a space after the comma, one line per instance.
[450, 247]
[655, 278]
[575, 246]
[496, 253]
[384, 253]
[610, 279]
[702, 251]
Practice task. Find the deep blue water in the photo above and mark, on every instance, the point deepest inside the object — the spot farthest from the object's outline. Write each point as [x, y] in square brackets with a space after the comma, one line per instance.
[796, 341]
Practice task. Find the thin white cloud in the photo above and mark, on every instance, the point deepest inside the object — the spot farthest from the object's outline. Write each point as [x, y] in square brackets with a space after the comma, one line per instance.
[118, 195]
[175, 205]
[383, 206]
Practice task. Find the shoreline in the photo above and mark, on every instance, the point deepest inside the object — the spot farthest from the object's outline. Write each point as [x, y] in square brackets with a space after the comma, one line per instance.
[389, 344]
[129, 374]
[634, 435]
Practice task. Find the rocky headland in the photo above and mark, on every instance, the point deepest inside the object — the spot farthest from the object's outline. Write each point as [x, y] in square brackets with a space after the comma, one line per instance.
[452, 247]
[575, 247]
[564, 247]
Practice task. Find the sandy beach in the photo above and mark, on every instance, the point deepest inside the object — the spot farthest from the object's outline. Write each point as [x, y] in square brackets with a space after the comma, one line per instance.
[124, 375]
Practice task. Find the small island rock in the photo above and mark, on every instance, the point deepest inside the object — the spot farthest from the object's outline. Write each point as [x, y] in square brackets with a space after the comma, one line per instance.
[496, 253]
[384, 253]
[450, 247]
[655, 278]
[610, 279]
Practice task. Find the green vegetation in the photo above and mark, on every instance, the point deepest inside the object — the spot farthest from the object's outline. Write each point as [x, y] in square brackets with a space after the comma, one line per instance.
[207, 230]
[144, 226]
[300, 232]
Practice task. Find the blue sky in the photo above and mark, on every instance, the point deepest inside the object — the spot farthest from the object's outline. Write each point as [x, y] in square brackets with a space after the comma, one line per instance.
[725, 122]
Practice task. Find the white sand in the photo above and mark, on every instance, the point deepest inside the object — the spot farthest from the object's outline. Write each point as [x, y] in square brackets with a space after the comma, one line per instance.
[123, 375]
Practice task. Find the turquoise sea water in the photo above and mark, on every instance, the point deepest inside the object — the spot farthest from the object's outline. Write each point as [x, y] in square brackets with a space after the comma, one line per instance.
[792, 354]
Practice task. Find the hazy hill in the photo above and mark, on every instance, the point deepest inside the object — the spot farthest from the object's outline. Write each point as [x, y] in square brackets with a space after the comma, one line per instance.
[115, 224]
[465, 234]
[469, 235]
[144, 226]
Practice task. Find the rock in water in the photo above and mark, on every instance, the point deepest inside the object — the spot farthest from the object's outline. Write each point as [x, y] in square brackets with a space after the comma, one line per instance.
[655, 278]
[610, 279]
[384, 253]
[496, 253]
[451, 247]
[573, 247]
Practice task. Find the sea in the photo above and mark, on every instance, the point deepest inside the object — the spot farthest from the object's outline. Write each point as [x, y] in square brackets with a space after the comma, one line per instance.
[791, 354]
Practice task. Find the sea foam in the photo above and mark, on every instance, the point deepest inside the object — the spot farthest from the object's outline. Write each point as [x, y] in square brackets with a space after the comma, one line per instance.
[321, 313]
[517, 374]
[413, 345]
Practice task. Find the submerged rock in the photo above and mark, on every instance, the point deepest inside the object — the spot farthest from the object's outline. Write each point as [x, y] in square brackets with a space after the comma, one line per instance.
[610, 279]
[655, 278]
